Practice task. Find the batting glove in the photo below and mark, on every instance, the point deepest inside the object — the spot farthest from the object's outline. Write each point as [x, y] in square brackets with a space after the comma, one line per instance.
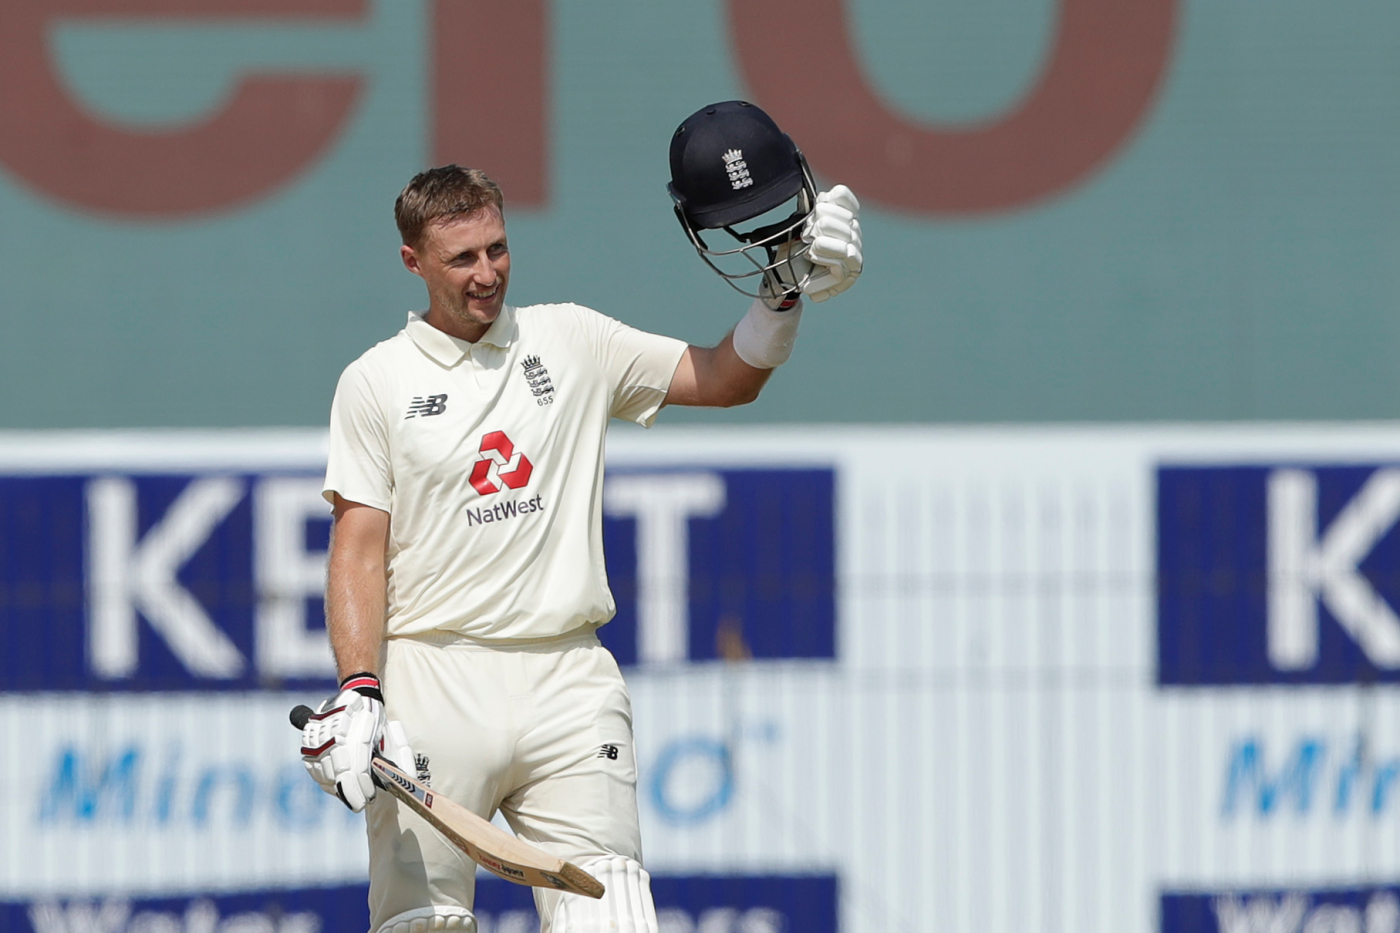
[394, 746]
[340, 738]
[834, 244]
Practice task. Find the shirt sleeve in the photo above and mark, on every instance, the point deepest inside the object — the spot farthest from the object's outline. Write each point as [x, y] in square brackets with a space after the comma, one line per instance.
[358, 465]
[638, 366]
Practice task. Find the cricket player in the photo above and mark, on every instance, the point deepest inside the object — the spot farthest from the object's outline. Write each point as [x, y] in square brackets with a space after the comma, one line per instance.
[466, 578]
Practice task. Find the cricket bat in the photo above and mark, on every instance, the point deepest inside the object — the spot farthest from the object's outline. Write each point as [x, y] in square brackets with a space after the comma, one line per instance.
[488, 845]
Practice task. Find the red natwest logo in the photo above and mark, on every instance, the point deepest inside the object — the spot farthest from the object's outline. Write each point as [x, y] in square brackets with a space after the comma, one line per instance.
[500, 463]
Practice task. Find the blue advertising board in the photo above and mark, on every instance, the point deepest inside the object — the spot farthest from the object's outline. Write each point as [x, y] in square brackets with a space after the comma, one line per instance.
[213, 580]
[1278, 574]
[712, 903]
[298, 910]
[760, 565]
[709, 903]
[1372, 908]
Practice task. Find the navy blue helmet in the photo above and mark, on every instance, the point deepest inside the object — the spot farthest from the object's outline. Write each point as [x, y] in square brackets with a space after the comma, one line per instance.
[732, 165]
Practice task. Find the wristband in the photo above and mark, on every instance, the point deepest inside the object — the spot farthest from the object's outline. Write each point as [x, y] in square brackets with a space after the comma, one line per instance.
[764, 338]
[365, 684]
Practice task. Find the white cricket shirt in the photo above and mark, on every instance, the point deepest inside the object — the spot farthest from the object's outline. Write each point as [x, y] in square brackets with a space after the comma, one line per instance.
[488, 458]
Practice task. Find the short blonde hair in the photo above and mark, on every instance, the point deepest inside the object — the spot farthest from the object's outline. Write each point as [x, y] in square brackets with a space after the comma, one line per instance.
[445, 192]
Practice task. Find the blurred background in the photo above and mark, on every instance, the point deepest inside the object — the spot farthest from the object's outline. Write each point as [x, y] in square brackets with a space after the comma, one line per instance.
[1051, 586]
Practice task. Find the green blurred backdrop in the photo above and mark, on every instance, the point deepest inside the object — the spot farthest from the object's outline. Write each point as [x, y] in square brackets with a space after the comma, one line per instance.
[1234, 255]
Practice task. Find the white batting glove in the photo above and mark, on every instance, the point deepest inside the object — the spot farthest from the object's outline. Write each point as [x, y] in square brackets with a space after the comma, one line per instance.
[394, 746]
[340, 737]
[833, 235]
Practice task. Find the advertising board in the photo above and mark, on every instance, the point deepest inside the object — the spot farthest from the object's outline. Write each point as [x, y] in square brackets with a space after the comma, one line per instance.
[1023, 678]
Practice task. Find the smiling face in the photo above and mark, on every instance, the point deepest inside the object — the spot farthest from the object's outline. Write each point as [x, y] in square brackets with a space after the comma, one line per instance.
[465, 263]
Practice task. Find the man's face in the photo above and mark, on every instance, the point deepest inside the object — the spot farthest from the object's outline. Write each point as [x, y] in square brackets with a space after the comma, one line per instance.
[466, 265]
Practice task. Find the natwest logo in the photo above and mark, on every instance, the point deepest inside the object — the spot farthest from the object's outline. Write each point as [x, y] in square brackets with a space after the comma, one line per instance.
[500, 463]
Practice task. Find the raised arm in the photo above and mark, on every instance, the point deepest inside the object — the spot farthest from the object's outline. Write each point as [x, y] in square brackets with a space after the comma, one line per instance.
[356, 586]
[715, 377]
[825, 263]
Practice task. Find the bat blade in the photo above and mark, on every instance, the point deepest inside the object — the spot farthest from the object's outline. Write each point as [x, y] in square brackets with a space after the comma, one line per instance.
[486, 844]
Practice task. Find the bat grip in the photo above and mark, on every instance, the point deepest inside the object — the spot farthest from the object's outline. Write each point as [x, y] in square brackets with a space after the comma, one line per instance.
[301, 715]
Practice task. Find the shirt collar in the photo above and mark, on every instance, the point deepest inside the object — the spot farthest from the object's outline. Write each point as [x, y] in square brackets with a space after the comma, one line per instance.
[449, 350]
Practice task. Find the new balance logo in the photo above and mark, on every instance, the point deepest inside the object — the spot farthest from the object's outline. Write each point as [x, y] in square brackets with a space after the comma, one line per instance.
[425, 405]
[608, 751]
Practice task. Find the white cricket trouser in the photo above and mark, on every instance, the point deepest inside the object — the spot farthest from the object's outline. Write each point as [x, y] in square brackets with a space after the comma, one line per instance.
[541, 732]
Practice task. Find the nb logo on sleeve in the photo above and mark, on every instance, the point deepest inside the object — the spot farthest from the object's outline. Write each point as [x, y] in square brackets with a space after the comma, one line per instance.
[425, 405]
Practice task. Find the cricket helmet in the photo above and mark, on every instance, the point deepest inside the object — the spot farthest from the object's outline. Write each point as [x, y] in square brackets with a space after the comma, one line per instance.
[731, 164]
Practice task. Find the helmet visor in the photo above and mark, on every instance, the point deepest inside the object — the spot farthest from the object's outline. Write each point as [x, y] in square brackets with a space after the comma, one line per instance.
[771, 241]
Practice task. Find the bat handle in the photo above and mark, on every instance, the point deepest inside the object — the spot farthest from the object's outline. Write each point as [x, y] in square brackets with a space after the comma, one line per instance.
[301, 715]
